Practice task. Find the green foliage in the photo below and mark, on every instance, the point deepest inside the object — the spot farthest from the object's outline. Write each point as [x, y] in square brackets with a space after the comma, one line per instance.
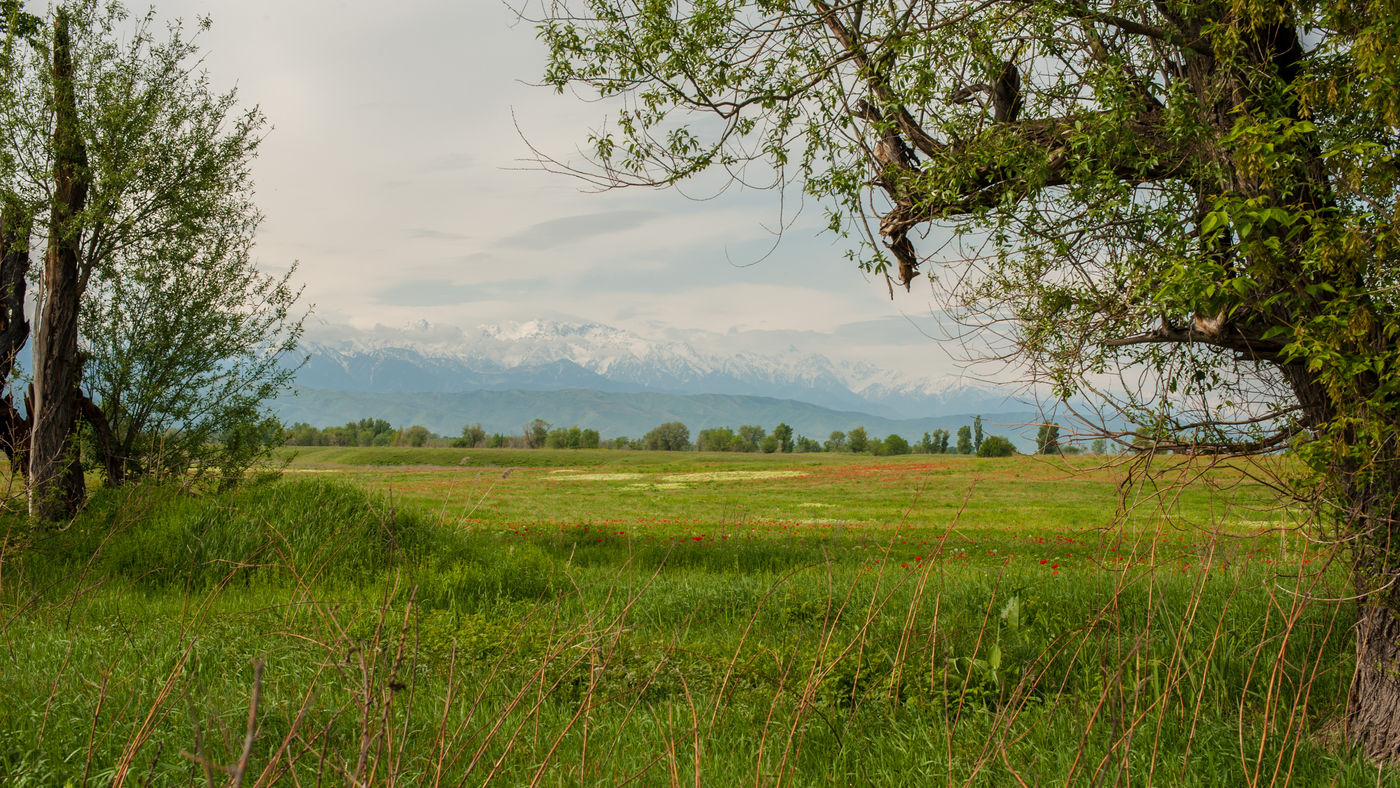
[14, 21]
[893, 444]
[1047, 439]
[939, 442]
[185, 339]
[783, 434]
[837, 442]
[472, 436]
[964, 440]
[1186, 211]
[857, 441]
[977, 434]
[536, 434]
[365, 432]
[749, 437]
[671, 436]
[716, 439]
[996, 446]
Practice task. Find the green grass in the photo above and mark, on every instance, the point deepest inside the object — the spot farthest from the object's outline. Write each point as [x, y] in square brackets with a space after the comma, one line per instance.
[589, 618]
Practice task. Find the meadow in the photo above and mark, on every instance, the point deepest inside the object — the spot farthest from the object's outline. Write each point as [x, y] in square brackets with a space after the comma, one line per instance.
[498, 617]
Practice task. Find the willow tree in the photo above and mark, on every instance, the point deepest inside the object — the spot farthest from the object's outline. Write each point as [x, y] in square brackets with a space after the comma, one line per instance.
[153, 328]
[1204, 190]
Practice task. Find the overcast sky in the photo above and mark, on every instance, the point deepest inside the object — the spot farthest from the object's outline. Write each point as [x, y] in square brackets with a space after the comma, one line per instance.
[393, 175]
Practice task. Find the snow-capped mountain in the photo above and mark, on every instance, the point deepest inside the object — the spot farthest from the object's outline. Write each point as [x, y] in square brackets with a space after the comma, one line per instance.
[549, 355]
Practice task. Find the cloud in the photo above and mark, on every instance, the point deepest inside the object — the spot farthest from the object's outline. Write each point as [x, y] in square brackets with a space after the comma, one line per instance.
[571, 229]
[428, 292]
[443, 292]
[437, 235]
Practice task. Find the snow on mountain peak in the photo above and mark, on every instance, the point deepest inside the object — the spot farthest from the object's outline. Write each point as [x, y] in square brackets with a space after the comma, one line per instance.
[598, 353]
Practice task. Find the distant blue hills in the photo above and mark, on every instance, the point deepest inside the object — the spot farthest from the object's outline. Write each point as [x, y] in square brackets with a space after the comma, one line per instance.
[614, 414]
[618, 383]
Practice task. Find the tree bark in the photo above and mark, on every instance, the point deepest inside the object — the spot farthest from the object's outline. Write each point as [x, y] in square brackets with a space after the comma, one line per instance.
[1373, 703]
[1368, 497]
[113, 454]
[16, 225]
[55, 491]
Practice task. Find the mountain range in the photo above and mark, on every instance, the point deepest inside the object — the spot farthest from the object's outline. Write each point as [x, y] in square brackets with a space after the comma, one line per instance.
[619, 383]
[542, 355]
[614, 414]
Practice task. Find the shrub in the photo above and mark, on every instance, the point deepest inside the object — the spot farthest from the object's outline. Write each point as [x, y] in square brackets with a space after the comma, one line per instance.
[995, 446]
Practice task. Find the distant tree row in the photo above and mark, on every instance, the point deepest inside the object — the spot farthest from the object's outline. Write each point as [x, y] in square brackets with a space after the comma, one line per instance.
[675, 436]
[536, 435]
[365, 432]
[752, 438]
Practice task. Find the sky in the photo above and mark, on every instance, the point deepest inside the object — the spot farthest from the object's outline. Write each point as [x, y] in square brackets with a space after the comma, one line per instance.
[396, 176]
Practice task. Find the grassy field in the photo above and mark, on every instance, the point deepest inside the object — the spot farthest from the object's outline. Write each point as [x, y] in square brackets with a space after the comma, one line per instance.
[472, 617]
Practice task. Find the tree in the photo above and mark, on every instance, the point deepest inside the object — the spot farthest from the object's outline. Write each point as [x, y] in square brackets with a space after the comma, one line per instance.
[894, 444]
[940, 441]
[857, 441]
[836, 441]
[536, 434]
[783, 434]
[185, 343]
[415, 436]
[1047, 439]
[55, 484]
[996, 446]
[964, 439]
[977, 434]
[1099, 446]
[671, 436]
[748, 437]
[715, 439]
[1194, 192]
[589, 439]
[148, 298]
[472, 436]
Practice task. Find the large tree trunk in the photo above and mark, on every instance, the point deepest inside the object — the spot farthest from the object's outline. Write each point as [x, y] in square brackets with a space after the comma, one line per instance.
[16, 225]
[1367, 496]
[55, 490]
[1373, 704]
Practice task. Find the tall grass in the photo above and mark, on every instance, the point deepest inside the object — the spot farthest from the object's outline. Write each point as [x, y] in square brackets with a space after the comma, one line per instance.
[309, 632]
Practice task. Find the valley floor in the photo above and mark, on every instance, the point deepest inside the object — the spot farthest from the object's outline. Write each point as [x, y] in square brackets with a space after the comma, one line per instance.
[443, 616]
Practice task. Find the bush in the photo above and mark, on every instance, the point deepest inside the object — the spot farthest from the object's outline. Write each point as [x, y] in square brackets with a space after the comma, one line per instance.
[996, 446]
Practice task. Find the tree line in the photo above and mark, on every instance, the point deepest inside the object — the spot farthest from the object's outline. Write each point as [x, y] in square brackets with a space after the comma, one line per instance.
[675, 436]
